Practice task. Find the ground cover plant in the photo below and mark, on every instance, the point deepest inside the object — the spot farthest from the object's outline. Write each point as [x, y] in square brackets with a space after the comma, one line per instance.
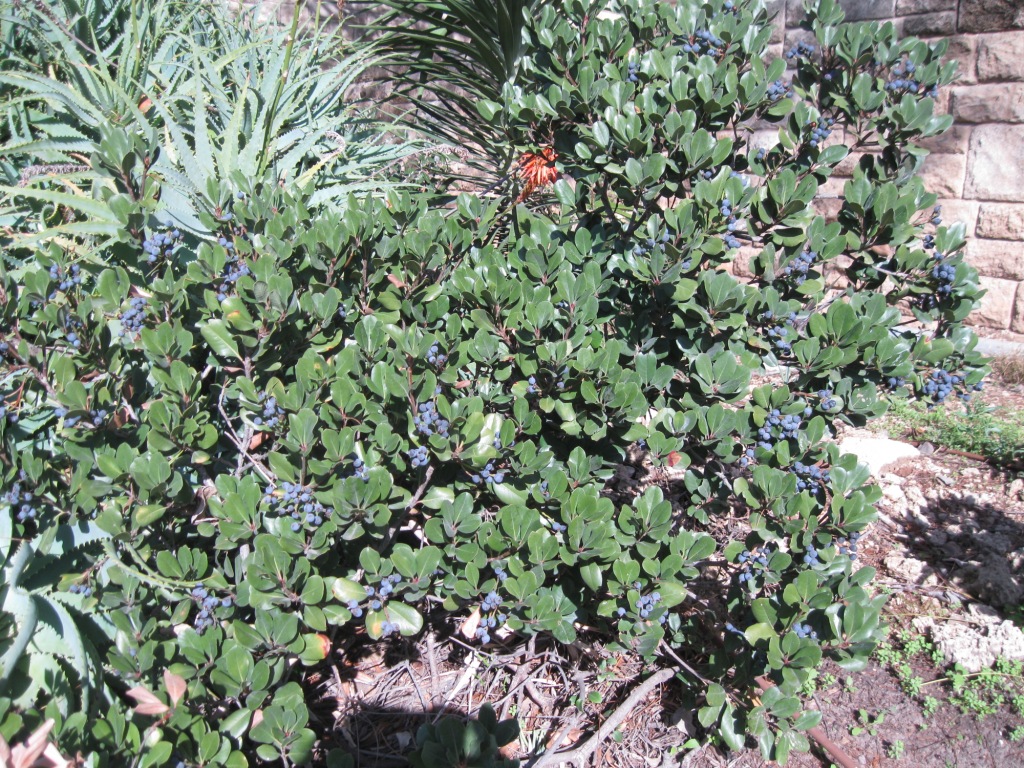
[249, 421]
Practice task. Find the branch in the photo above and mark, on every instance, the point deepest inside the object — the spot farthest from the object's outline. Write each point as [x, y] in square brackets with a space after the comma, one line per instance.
[582, 753]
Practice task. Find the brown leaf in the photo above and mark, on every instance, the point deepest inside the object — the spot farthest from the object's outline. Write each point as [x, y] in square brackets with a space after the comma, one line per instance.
[175, 685]
[257, 440]
[673, 458]
[25, 755]
[469, 626]
[462, 384]
[395, 281]
[148, 704]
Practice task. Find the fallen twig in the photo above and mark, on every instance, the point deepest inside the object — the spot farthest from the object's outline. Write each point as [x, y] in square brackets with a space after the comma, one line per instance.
[582, 753]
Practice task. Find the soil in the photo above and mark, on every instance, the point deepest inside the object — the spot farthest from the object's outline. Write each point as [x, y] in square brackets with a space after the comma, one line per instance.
[948, 546]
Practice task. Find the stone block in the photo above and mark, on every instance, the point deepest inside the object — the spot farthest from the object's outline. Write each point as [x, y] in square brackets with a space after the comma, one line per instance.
[963, 211]
[849, 163]
[952, 142]
[996, 258]
[990, 15]
[996, 310]
[908, 7]
[1001, 56]
[1001, 221]
[943, 23]
[860, 10]
[992, 103]
[1017, 324]
[993, 172]
[963, 50]
[944, 174]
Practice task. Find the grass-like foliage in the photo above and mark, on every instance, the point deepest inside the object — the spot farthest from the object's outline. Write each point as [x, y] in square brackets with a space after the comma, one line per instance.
[287, 417]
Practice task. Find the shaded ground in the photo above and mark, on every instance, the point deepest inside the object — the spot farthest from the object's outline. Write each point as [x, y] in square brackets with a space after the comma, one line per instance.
[949, 547]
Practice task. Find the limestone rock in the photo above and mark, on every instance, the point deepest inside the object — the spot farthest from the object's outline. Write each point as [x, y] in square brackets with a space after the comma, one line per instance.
[976, 647]
[877, 452]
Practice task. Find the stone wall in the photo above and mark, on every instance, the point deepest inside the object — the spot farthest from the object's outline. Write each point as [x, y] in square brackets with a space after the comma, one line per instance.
[977, 168]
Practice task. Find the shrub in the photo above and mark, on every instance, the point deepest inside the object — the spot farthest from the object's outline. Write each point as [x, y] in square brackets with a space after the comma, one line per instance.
[307, 417]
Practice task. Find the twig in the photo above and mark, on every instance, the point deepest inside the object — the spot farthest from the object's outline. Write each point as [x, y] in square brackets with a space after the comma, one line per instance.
[432, 665]
[582, 753]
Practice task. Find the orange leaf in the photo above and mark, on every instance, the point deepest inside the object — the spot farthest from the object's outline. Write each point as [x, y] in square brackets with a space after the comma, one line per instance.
[175, 685]
[673, 458]
[395, 281]
[148, 704]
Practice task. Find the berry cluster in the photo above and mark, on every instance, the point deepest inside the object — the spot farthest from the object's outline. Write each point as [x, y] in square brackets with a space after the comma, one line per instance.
[297, 502]
[18, 496]
[749, 559]
[747, 457]
[731, 224]
[633, 69]
[779, 90]
[643, 249]
[489, 475]
[428, 421]
[904, 80]
[849, 547]
[499, 572]
[936, 218]
[80, 589]
[646, 605]
[704, 42]
[97, 416]
[799, 266]
[805, 631]
[777, 427]
[272, 412]
[941, 384]
[342, 313]
[895, 382]
[418, 457]
[380, 595]
[435, 356]
[822, 130]
[490, 604]
[234, 269]
[801, 50]
[160, 245]
[811, 556]
[68, 279]
[5, 347]
[72, 325]
[827, 401]
[133, 318]
[810, 477]
[207, 605]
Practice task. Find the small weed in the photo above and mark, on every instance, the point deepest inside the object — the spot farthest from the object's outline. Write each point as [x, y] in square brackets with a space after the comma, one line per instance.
[868, 724]
[848, 685]
[1017, 734]
[895, 750]
[930, 706]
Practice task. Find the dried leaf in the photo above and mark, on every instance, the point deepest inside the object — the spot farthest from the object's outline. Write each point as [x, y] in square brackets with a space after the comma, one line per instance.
[469, 626]
[175, 685]
[148, 704]
[397, 282]
[673, 458]
[25, 755]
